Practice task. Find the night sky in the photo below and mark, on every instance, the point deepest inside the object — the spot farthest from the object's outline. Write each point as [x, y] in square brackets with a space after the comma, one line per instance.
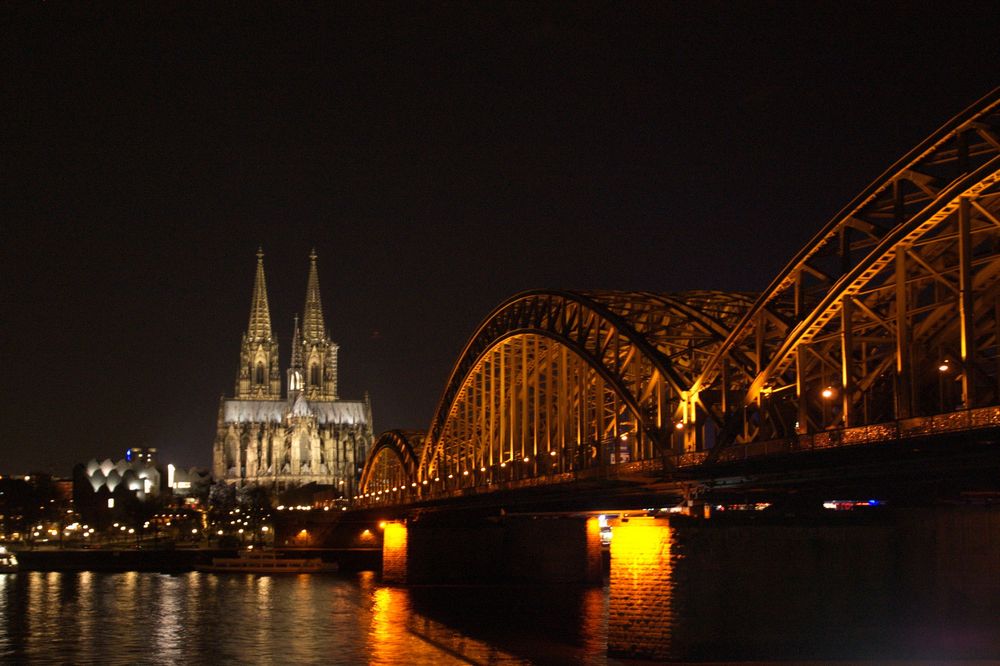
[439, 158]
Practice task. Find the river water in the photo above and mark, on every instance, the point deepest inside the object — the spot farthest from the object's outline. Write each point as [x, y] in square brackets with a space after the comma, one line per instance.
[924, 586]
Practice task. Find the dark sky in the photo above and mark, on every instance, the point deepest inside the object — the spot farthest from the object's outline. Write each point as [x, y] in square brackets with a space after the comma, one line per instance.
[440, 158]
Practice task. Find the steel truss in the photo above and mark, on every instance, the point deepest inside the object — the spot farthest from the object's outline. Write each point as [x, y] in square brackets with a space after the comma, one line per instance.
[391, 467]
[891, 312]
[556, 382]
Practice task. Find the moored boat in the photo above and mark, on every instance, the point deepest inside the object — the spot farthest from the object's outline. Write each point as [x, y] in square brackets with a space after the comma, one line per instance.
[265, 562]
[8, 561]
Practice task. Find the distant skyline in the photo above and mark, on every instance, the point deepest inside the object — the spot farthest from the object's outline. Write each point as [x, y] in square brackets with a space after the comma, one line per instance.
[439, 159]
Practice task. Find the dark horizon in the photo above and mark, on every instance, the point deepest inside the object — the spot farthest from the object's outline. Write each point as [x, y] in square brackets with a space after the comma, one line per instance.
[439, 159]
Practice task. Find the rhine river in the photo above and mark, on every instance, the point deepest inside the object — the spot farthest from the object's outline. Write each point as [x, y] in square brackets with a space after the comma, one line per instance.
[917, 585]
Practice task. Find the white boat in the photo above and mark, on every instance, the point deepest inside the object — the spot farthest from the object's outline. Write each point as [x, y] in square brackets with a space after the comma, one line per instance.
[265, 562]
[8, 562]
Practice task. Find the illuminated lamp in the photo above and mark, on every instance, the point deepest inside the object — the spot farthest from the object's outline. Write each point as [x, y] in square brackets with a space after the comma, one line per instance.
[944, 367]
[503, 464]
[465, 473]
[482, 469]
[624, 438]
[526, 458]
[552, 453]
[679, 425]
[827, 392]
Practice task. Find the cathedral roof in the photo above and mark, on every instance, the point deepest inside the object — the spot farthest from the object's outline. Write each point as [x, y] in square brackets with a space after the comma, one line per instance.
[344, 412]
[301, 407]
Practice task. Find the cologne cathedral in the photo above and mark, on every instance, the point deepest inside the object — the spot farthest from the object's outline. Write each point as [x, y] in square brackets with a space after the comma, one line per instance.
[307, 435]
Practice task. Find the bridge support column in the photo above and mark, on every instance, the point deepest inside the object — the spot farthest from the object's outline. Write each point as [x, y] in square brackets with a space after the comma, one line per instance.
[639, 609]
[394, 552]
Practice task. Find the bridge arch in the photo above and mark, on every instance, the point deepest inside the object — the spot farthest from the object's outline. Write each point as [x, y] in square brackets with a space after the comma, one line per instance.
[391, 467]
[887, 320]
[557, 381]
[895, 292]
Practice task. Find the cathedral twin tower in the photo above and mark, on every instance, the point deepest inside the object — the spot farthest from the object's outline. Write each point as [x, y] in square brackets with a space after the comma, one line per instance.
[306, 436]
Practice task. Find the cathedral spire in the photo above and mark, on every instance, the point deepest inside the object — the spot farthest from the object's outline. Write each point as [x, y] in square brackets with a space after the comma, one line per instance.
[296, 370]
[318, 352]
[313, 327]
[260, 314]
[258, 376]
[297, 346]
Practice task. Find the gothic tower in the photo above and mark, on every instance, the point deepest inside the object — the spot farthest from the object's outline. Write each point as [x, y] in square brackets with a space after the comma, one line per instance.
[259, 375]
[318, 358]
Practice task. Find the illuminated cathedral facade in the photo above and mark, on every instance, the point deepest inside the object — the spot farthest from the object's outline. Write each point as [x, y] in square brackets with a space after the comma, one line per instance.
[306, 434]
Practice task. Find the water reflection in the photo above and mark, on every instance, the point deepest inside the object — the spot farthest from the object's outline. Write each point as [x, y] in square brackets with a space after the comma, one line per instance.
[918, 585]
[91, 618]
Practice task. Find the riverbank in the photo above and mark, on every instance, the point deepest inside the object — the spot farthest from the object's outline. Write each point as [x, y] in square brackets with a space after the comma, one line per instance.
[172, 560]
[118, 559]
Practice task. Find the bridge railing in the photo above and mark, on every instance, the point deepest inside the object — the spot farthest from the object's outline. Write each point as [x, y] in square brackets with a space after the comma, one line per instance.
[880, 433]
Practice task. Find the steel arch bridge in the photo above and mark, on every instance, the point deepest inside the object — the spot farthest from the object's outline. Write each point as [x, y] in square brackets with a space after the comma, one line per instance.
[885, 325]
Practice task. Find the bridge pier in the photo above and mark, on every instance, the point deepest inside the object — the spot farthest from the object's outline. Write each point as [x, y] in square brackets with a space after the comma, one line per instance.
[639, 608]
[529, 549]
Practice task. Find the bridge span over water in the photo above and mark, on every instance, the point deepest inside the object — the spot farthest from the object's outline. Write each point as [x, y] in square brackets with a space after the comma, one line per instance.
[883, 329]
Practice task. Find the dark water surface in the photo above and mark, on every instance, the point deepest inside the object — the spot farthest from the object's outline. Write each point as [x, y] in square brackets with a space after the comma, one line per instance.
[914, 585]
[197, 618]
